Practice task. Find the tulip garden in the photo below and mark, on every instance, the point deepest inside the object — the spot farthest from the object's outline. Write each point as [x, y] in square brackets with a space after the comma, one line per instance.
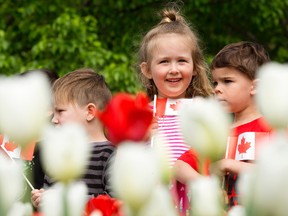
[140, 173]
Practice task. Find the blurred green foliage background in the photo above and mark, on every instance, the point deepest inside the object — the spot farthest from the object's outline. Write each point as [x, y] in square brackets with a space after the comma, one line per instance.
[104, 34]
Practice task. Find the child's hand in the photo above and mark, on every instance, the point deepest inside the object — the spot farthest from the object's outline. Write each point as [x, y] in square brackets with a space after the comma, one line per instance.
[36, 197]
[225, 166]
[221, 167]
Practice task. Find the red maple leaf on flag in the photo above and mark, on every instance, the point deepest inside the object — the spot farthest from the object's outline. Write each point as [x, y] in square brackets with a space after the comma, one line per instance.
[243, 146]
[174, 106]
[10, 146]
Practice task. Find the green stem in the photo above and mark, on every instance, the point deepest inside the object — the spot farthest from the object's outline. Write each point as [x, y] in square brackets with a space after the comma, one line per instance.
[65, 201]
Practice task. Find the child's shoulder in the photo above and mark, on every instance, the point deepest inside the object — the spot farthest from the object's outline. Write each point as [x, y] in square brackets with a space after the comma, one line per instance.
[256, 125]
[103, 145]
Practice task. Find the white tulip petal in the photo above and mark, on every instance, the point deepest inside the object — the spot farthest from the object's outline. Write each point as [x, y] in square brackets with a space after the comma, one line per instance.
[271, 94]
[11, 182]
[160, 203]
[206, 196]
[21, 209]
[77, 198]
[66, 151]
[134, 174]
[268, 182]
[24, 103]
[73, 194]
[205, 127]
[237, 211]
[52, 201]
[162, 159]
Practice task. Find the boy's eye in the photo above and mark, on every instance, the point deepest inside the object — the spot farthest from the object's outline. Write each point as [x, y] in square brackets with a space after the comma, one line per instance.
[59, 110]
[163, 61]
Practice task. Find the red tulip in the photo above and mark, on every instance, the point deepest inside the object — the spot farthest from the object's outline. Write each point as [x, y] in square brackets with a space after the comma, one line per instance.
[106, 205]
[127, 117]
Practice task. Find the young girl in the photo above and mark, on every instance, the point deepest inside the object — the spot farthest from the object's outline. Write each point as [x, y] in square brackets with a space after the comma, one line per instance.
[172, 66]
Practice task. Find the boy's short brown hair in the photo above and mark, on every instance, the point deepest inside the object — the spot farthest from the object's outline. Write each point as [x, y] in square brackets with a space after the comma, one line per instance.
[244, 56]
[81, 87]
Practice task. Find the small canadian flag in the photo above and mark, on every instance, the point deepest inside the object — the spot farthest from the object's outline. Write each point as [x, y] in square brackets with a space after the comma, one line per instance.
[168, 106]
[245, 146]
[15, 151]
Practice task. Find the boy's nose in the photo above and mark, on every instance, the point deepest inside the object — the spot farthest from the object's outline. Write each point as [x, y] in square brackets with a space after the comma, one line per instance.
[54, 119]
[217, 90]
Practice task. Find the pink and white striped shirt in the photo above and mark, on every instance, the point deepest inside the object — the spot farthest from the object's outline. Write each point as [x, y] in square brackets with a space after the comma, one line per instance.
[169, 130]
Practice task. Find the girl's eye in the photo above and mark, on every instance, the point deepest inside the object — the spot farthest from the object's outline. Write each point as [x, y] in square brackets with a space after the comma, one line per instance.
[227, 81]
[182, 60]
[215, 84]
[163, 61]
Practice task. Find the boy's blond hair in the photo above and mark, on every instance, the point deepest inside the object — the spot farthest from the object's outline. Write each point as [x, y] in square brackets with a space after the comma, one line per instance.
[81, 87]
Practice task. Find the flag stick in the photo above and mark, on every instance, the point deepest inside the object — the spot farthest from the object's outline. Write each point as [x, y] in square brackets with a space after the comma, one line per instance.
[154, 114]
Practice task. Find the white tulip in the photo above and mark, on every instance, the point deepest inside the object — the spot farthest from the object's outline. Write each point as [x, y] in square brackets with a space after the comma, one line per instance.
[134, 174]
[11, 183]
[205, 127]
[77, 198]
[265, 192]
[24, 103]
[21, 209]
[271, 94]
[237, 211]
[162, 159]
[74, 194]
[206, 196]
[160, 203]
[65, 151]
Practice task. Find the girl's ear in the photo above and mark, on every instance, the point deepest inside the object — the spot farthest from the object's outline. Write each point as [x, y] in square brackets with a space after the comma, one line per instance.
[145, 71]
[91, 111]
[254, 86]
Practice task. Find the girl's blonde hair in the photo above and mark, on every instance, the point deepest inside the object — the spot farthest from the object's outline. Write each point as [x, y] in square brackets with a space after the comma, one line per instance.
[173, 22]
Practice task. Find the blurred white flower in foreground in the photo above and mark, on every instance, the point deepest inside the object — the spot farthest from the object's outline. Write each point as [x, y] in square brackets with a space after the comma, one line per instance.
[272, 92]
[21, 209]
[61, 197]
[264, 191]
[65, 151]
[134, 174]
[237, 211]
[160, 203]
[24, 103]
[11, 183]
[205, 126]
[206, 196]
[162, 159]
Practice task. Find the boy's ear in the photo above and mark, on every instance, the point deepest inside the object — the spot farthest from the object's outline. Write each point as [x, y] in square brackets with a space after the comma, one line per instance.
[91, 111]
[145, 71]
[254, 86]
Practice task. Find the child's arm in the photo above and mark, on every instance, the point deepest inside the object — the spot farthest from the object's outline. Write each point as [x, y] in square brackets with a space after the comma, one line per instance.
[184, 172]
[224, 166]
